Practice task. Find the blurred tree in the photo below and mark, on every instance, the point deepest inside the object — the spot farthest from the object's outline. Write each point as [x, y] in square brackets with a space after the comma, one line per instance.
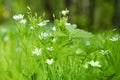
[88, 14]
[7, 5]
[116, 16]
[101, 18]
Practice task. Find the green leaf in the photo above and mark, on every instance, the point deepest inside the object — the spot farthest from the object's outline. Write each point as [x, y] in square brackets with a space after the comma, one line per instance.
[59, 34]
[78, 32]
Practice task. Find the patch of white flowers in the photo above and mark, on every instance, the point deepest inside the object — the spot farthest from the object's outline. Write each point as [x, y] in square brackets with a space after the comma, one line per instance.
[54, 28]
[46, 21]
[115, 38]
[94, 63]
[23, 21]
[18, 17]
[37, 51]
[65, 12]
[43, 23]
[74, 25]
[43, 35]
[49, 61]
[103, 52]
[67, 24]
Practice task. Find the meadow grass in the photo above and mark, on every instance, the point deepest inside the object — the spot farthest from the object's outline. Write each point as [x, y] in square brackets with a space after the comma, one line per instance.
[40, 50]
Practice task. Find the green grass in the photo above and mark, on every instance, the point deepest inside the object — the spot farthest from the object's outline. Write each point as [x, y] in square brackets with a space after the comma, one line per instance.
[68, 49]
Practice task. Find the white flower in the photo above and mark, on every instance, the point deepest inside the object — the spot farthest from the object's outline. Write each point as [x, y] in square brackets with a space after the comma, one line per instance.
[64, 12]
[37, 52]
[42, 24]
[18, 17]
[94, 64]
[67, 24]
[23, 21]
[103, 52]
[47, 21]
[54, 28]
[44, 35]
[74, 25]
[114, 39]
[49, 61]
[50, 48]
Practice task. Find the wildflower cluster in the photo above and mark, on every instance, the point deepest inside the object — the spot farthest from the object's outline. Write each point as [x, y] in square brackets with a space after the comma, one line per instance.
[59, 47]
[65, 12]
[103, 52]
[43, 23]
[37, 52]
[43, 35]
[20, 17]
[94, 63]
[114, 39]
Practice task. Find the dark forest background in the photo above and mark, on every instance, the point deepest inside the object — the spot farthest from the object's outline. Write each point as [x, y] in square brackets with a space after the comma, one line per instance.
[91, 15]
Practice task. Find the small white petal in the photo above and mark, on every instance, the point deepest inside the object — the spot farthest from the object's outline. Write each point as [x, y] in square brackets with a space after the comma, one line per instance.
[64, 12]
[44, 35]
[94, 64]
[47, 21]
[74, 25]
[67, 24]
[23, 21]
[103, 52]
[114, 39]
[37, 51]
[49, 61]
[18, 17]
[54, 28]
[42, 24]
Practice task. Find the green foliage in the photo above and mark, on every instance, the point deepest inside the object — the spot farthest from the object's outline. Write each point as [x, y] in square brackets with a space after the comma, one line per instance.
[78, 33]
[41, 50]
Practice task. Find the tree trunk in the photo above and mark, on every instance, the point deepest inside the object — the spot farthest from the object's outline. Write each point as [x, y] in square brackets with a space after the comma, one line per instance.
[96, 15]
[116, 15]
